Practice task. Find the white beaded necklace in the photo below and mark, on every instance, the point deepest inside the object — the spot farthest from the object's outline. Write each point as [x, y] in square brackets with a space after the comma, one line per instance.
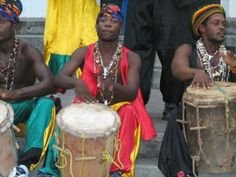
[111, 69]
[220, 71]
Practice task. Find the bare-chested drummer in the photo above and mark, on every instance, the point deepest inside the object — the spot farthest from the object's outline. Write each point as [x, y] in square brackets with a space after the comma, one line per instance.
[21, 65]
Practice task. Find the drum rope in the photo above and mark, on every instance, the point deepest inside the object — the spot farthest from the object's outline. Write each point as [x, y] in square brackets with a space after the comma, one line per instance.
[227, 117]
[82, 161]
[106, 155]
[200, 144]
[61, 164]
[118, 146]
[199, 139]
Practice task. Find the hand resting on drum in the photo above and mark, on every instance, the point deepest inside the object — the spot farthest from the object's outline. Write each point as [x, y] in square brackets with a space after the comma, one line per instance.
[83, 93]
[201, 79]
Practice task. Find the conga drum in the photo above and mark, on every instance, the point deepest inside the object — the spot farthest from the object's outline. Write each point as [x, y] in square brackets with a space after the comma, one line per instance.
[210, 117]
[87, 139]
[8, 153]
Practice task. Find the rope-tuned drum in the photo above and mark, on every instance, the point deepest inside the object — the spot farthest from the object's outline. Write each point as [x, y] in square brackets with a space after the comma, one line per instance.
[87, 140]
[209, 117]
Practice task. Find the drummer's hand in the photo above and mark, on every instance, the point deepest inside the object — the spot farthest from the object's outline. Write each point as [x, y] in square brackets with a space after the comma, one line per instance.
[107, 83]
[201, 80]
[229, 58]
[83, 93]
[9, 95]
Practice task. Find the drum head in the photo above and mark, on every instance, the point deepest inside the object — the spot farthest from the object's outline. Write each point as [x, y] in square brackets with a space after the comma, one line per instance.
[88, 120]
[214, 95]
[6, 116]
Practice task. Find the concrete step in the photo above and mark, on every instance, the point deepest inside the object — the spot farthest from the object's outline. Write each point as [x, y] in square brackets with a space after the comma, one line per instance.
[147, 168]
[151, 149]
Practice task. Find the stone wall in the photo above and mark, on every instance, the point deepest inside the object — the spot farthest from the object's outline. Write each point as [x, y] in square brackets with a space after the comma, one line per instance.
[32, 29]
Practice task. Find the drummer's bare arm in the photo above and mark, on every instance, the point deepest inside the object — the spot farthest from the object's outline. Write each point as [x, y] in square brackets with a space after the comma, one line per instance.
[182, 71]
[129, 92]
[66, 80]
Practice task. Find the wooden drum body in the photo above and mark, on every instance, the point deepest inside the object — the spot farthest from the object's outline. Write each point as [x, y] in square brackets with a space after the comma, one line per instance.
[87, 139]
[211, 127]
[8, 153]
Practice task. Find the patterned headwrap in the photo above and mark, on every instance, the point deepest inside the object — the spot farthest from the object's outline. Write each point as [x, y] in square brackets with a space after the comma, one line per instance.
[10, 9]
[202, 14]
[111, 10]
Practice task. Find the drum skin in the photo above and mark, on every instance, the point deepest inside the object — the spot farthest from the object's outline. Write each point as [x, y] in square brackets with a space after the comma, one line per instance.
[8, 153]
[211, 127]
[83, 147]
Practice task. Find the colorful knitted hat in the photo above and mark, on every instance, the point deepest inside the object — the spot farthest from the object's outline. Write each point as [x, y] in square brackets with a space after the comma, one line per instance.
[202, 14]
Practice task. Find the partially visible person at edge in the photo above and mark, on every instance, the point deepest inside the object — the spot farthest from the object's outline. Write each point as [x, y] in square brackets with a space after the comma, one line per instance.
[21, 64]
[198, 65]
[110, 75]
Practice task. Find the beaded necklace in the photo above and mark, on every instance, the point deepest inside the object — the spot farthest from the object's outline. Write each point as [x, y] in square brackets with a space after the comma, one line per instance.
[219, 72]
[100, 70]
[7, 74]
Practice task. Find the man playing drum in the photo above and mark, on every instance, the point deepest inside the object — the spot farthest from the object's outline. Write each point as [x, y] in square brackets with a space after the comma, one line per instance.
[208, 60]
[21, 65]
[110, 75]
[198, 65]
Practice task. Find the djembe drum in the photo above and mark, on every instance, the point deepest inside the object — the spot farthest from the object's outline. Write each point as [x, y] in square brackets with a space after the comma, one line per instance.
[210, 131]
[8, 153]
[87, 139]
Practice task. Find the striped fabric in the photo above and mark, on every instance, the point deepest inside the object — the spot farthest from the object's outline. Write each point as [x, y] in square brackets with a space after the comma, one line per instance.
[202, 14]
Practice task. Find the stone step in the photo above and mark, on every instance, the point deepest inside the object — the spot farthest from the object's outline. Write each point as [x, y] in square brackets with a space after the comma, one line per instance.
[151, 149]
[147, 168]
